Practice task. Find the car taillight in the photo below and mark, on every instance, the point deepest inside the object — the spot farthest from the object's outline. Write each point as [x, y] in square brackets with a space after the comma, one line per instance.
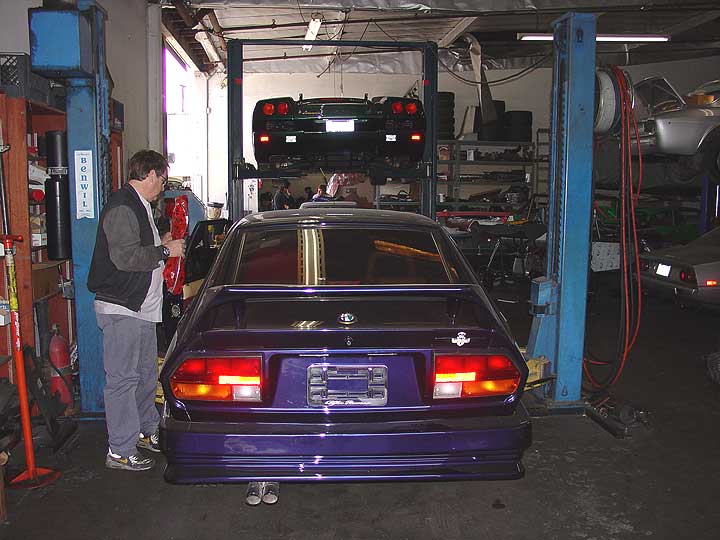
[473, 375]
[644, 265]
[283, 108]
[396, 107]
[268, 109]
[264, 138]
[416, 137]
[688, 276]
[711, 283]
[411, 108]
[218, 379]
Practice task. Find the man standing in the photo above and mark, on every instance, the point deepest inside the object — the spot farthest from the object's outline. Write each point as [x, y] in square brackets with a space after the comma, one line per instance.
[126, 277]
[283, 200]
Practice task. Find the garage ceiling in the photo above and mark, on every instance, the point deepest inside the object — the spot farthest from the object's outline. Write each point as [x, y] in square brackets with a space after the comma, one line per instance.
[692, 26]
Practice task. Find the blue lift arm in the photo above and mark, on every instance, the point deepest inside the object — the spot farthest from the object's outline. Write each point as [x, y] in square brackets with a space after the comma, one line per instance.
[559, 298]
[70, 44]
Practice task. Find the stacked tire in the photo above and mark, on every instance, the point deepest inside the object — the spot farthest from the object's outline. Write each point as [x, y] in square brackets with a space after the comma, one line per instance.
[446, 115]
[518, 126]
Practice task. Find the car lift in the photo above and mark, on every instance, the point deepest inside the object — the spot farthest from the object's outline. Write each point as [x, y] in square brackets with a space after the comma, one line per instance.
[558, 299]
[237, 168]
[69, 44]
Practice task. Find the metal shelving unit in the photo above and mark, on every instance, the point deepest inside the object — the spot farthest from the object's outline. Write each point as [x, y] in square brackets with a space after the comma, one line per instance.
[457, 168]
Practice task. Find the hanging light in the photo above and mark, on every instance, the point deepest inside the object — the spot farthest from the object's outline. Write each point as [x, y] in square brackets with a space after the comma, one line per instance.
[312, 32]
[618, 38]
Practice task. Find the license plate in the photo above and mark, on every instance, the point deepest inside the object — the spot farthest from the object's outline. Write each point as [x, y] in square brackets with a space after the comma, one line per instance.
[346, 385]
[663, 270]
[339, 126]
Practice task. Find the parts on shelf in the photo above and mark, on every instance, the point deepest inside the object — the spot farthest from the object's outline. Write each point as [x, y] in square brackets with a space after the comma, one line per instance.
[517, 175]
[401, 197]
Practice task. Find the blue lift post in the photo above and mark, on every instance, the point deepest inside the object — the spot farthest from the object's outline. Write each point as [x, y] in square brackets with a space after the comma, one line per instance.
[559, 298]
[70, 44]
[429, 51]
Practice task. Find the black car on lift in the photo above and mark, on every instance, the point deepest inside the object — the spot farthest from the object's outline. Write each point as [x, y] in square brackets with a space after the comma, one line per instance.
[338, 133]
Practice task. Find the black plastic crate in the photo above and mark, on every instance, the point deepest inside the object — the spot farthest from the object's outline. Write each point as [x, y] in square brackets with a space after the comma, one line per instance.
[17, 80]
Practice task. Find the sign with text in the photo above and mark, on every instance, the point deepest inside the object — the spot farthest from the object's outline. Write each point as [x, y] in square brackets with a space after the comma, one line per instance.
[84, 185]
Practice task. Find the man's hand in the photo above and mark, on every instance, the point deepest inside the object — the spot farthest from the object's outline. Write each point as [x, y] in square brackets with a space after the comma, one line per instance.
[176, 247]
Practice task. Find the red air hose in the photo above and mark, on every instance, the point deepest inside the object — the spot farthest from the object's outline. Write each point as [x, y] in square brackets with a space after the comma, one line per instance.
[631, 307]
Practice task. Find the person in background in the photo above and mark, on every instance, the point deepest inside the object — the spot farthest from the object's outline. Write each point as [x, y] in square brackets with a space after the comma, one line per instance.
[283, 200]
[322, 194]
[308, 194]
[126, 277]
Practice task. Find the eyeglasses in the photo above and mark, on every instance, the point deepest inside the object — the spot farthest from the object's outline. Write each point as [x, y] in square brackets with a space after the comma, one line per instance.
[164, 180]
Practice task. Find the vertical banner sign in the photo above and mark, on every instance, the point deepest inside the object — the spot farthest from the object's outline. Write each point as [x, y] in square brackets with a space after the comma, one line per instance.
[84, 185]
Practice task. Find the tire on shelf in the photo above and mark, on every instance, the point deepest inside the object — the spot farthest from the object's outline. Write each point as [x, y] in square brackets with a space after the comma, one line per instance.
[518, 125]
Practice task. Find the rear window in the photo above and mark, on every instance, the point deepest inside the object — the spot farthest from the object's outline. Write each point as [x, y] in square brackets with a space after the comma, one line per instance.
[337, 256]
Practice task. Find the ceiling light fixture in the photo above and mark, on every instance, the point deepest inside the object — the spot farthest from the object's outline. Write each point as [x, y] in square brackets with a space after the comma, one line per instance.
[617, 38]
[208, 46]
[312, 31]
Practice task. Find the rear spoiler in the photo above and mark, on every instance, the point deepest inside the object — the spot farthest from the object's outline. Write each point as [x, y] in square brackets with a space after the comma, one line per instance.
[215, 296]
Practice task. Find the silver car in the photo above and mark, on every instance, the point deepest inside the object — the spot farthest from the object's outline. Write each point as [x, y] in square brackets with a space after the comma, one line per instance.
[669, 125]
[691, 272]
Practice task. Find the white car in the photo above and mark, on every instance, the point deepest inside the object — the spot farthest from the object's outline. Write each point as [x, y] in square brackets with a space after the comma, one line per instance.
[669, 125]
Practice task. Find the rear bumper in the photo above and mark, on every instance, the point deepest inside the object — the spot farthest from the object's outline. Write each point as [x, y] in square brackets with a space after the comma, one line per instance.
[488, 448]
[320, 144]
[704, 296]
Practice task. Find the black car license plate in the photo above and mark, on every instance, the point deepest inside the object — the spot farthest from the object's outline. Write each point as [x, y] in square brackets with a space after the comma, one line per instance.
[346, 385]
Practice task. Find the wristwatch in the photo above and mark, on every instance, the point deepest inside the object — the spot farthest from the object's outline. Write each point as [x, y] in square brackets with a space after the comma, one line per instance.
[165, 253]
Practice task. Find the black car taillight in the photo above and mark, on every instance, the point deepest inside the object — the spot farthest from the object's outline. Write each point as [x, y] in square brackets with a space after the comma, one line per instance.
[218, 379]
[265, 139]
[644, 265]
[268, 109]
[474, 375]
[283, 108]
[687, 275]
[396, 107]
[411, 108]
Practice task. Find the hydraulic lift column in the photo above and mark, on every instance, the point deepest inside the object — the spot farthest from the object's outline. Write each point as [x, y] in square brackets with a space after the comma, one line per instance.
[559, 298]
[70, 44]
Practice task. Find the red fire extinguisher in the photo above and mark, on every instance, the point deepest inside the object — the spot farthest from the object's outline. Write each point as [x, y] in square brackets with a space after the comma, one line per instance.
[61, 381]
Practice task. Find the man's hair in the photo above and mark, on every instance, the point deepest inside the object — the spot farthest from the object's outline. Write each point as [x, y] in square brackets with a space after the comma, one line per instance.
[145, 161]
[323, 187]
[285, 183]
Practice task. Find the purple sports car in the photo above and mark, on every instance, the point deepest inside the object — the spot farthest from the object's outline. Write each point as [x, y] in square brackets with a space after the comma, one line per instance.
[336, 344]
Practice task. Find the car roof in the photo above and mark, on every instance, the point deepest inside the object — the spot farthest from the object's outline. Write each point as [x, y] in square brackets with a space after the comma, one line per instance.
[338, 216]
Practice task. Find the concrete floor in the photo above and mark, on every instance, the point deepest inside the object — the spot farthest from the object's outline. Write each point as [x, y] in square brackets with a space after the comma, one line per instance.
[580, 484]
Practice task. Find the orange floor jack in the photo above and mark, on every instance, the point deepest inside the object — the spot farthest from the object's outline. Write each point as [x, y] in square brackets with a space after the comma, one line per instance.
[33, 476]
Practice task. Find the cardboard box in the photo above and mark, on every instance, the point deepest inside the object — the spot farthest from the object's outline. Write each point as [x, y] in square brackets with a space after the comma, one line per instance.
[39, 239]
[45, 279]
[699, 99]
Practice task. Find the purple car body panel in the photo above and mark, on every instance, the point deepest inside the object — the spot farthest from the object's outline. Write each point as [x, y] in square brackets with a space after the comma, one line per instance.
[291, 435]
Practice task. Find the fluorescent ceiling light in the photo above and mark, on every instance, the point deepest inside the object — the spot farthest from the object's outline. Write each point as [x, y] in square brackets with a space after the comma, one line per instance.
[312, 31]
[618, 38]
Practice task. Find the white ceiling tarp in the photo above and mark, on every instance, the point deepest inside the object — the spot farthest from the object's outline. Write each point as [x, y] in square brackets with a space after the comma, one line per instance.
[468, 6]
[396, 63]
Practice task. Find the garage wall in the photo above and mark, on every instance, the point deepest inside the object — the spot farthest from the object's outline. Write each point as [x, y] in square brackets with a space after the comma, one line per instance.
[126, 56]
[126, 29]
